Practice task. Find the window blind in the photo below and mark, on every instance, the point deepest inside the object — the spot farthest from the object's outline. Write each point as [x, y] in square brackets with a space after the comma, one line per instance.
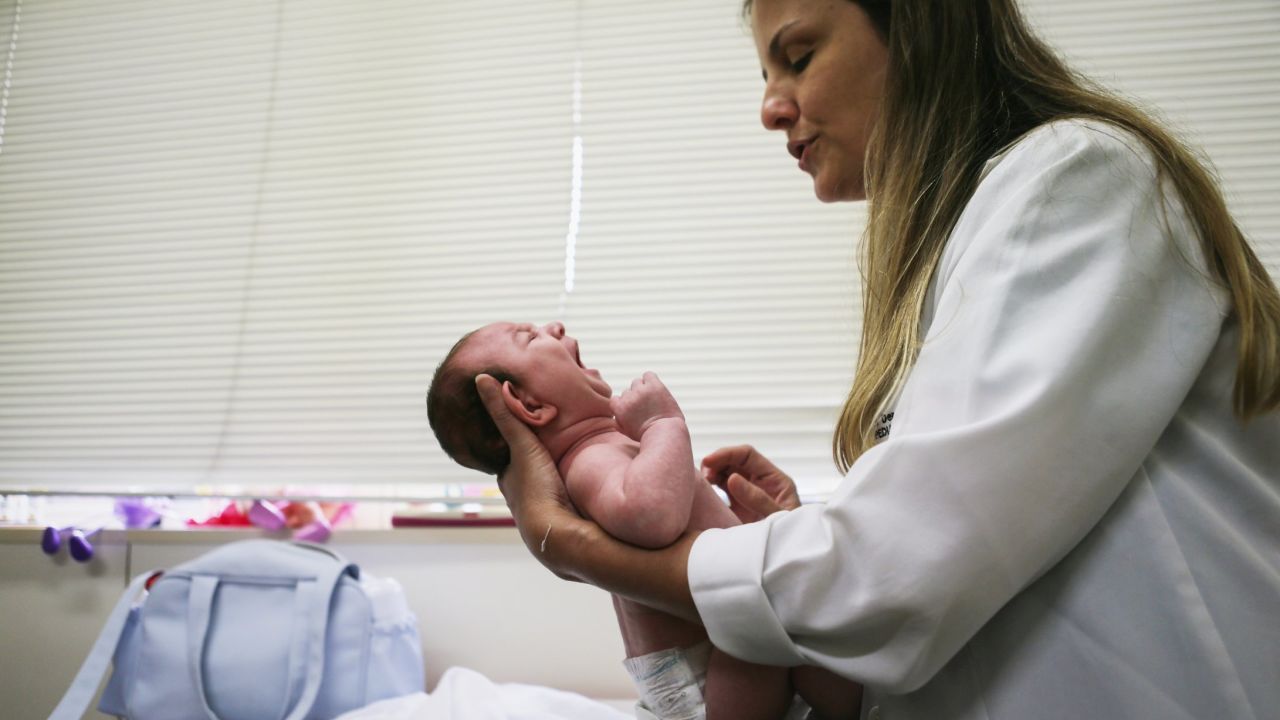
[1211, 71]
[236, 237]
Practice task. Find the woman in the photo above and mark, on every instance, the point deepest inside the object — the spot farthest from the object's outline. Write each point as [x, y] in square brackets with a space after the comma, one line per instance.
[1062, 445]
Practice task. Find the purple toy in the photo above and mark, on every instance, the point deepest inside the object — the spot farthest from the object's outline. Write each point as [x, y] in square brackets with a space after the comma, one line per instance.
[137, 513]
[79, 546]
[51, 540]
[134, 513]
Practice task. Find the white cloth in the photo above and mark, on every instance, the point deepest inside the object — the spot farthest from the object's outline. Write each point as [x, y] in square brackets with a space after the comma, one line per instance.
[464, 694]
[1066, 519]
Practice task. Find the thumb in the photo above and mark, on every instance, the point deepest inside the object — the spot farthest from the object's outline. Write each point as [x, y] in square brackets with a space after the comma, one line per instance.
[517, 434]
[750, 496]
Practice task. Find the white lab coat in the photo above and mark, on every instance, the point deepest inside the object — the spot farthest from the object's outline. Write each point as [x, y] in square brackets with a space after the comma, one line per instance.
[1066, 520]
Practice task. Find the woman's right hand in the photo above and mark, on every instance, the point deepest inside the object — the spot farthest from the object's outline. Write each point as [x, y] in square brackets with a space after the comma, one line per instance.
[756, 487]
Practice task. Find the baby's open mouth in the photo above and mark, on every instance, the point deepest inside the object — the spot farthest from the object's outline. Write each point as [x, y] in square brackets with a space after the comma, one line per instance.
[577, 357]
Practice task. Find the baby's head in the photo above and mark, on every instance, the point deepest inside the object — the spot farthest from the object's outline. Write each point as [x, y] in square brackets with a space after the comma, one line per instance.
[544, 384]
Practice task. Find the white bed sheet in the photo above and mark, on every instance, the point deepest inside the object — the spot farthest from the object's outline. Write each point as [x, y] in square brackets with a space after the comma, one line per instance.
[464, 694]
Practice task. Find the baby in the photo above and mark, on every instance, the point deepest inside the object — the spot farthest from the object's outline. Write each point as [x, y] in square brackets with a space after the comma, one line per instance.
[627, 465]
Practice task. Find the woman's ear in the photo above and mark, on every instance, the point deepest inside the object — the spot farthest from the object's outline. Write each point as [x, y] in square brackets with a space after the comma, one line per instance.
[525, 407]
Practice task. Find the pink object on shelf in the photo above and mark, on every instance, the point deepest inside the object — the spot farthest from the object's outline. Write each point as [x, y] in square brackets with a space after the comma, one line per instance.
[316, 532]
[266, 516]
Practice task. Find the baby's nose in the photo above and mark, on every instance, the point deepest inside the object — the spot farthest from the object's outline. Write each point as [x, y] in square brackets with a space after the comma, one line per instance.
[555, 329]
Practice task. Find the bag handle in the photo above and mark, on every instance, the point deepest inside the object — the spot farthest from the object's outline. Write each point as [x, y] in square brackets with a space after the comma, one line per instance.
[298, 632]
[80, 694]
[200, 610]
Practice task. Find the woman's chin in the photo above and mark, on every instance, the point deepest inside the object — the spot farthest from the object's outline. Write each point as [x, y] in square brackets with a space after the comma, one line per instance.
[830, 192]
[826, 192]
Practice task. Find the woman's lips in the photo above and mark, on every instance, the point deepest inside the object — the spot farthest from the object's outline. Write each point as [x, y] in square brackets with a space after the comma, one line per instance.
[802, 150]
[805, 165]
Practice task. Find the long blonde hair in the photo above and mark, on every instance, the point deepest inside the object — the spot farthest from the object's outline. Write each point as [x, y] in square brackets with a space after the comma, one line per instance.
[965, 81]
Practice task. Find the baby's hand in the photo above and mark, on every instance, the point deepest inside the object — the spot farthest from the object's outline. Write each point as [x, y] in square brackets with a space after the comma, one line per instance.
[646, 402]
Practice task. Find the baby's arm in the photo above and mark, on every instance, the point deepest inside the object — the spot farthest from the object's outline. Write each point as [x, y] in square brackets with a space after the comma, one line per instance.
[645, 498]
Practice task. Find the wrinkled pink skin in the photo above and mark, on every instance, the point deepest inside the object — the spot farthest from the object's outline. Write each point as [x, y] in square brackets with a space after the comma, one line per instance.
[628, 465]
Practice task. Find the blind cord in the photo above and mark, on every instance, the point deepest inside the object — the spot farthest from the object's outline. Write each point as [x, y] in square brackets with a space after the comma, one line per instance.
[255, 232]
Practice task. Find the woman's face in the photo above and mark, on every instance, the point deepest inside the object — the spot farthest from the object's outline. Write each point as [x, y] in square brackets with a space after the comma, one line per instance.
[824, 68]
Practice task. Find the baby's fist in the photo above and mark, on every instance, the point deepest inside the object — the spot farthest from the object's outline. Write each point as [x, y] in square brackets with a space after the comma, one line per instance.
[647, 401]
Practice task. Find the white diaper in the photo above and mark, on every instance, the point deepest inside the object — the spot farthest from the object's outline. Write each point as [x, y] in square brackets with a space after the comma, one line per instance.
[670, 683]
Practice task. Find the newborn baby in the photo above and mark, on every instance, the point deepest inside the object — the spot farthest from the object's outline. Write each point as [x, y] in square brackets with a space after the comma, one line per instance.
[627, 465]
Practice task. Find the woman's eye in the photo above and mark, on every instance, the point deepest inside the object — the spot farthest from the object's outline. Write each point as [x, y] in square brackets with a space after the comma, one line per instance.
[802, 63]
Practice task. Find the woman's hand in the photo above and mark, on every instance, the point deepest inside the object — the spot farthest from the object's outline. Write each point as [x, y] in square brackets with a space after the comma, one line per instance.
[531, 484]
[756, 487]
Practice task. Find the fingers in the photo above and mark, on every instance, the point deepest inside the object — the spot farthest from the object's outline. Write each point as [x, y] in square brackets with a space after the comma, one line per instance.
[750, 497]
[717, 466]
[516, 433]
[648, 379]
[644, 403]
[528, 456]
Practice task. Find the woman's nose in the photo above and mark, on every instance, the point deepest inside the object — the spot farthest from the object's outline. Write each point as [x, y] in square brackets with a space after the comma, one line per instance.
[555, 329]
[778, 112]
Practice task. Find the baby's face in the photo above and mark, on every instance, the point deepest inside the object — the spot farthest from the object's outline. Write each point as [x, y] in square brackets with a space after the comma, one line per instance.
[544, 360]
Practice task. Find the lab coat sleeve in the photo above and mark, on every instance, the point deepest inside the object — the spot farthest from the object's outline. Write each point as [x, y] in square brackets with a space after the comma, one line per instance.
[1071, 317]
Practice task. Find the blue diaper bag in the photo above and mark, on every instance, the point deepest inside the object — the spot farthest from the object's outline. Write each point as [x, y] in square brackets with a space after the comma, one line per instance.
[255, 630]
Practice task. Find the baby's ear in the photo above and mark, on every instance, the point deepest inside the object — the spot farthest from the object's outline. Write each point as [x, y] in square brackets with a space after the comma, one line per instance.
[526, 407]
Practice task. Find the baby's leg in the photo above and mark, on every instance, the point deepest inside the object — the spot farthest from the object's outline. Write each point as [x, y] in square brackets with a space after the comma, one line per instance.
[738, 690]
[645, 630]
[831, 696]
